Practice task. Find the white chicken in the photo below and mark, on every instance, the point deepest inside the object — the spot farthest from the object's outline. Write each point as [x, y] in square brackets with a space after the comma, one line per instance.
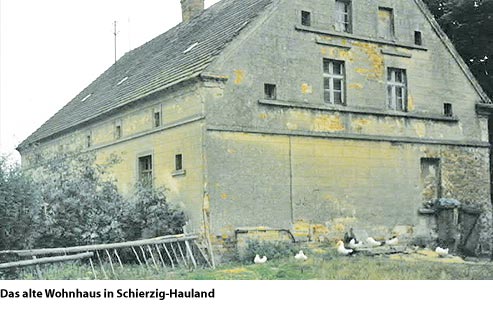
[354, 245]
[300, 256]
[441, 252]
[342, 250]
[259, 260]
[392, 242]
[372, 242]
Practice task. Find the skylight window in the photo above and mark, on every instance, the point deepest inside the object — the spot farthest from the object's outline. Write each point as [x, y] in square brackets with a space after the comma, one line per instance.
[122, 81]
[191, 47]
[86, 97]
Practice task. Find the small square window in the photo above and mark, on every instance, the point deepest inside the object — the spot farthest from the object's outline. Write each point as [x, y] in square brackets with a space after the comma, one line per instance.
[157, 119]
[447, 110]
[418, 38]
[178, 162]
[306, 18]
[118, 131]
[270, 91]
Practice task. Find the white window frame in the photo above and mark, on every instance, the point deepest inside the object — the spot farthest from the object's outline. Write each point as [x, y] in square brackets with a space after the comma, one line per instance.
[330, 77]
[396, 87]
[343, 19]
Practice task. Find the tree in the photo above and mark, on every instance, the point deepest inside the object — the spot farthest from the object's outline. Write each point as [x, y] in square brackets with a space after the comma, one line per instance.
[469, 24]
[81, 202]
[19, 202]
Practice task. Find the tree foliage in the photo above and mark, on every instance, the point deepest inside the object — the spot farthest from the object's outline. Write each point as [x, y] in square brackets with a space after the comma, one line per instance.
[73, 201]
[18, 199]
[469, 24]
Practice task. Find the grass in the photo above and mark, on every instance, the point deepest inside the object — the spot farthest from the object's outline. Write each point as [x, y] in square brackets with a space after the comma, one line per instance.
[323, 264]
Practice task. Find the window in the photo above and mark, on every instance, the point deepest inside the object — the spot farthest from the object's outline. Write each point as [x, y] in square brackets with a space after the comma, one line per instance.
[88, 140]
[334, 81]
[178, 162]
[118, 131]
[418, 38]
[145, 170]
[270, 91]
[386, 23]
[306, 18]
[447, 110]
[343, 16]
[157, 119]
[396, 89]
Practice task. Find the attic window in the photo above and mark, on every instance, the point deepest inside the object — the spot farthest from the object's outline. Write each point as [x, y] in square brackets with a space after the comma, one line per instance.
[306, 18]
[270, 91]
[418, 38]
[122, 81]
[191, 47]
[86, 97]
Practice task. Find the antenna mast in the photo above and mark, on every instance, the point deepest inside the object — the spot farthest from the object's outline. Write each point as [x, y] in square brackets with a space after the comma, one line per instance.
[115, 33]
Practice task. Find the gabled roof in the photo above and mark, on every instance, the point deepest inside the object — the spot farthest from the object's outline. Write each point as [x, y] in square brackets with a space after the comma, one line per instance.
[175, 56]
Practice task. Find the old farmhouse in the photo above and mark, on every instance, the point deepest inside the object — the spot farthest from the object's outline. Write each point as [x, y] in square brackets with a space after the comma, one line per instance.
[312, 116]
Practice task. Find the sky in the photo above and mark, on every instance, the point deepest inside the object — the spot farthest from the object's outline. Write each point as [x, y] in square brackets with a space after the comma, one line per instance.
[51, 50]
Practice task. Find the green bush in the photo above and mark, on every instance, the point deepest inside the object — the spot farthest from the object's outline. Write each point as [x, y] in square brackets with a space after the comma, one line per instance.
[149, 214]
[73, 201]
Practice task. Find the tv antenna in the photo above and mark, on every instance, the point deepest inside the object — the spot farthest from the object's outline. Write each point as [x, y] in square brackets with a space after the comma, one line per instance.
[115, 33]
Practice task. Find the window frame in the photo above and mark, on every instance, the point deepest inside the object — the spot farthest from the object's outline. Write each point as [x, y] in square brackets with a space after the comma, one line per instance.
[346, 24]
[145, 175]
[270, 91]
[306, 18]
[157, 119]
[391, 33]
[393, 85]
[331, 77]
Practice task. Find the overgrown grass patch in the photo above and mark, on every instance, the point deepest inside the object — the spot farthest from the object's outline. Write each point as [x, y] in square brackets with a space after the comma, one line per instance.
[322, 264]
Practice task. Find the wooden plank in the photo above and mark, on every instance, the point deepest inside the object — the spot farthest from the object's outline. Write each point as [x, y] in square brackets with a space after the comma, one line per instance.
[39, 261]
[190, 252]
[152, 257]
[182, 256]
[160, 256]
[111, 263]
[93, 271]
[202, 253]
[118, 257]
[101, 265]
[136, 255]
[96, 247]
[169, 256]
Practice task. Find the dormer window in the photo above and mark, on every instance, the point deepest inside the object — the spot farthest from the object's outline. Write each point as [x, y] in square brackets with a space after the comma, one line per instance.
[343, 16]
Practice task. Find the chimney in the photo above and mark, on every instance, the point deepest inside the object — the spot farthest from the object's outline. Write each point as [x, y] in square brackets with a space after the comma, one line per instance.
[191, 9]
